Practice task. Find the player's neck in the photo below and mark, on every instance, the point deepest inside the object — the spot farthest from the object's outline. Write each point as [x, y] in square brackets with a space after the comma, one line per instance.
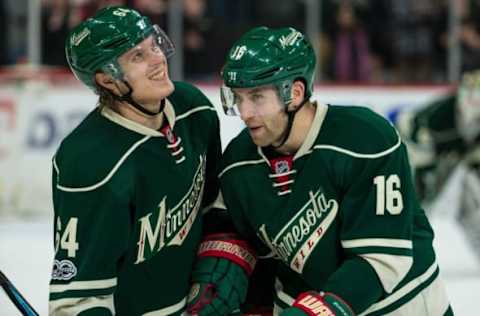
[302, 122]
[131, 113]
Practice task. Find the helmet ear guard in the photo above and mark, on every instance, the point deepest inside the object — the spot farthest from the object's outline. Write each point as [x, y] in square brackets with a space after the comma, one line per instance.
[285, 90]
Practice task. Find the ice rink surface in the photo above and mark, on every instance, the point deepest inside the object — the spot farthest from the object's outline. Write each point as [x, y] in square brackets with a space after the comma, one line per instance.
[26, 254]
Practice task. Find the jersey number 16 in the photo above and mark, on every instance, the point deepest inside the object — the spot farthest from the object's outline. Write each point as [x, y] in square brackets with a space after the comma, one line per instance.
[389, 196]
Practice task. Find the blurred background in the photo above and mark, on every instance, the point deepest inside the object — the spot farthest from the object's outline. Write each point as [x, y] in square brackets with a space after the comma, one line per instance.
[413, 61]
[387, 39]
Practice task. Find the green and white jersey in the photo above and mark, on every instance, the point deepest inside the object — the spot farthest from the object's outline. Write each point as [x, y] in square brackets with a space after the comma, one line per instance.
[341, 215]
[128, 203]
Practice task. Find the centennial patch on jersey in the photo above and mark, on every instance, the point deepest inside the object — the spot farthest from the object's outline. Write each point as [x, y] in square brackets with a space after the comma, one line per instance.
[171, 226]
[63, 270]
[297, 239]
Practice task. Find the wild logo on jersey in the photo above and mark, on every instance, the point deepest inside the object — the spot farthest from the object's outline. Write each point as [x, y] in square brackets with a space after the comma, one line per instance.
[171, 226]
[298, 237]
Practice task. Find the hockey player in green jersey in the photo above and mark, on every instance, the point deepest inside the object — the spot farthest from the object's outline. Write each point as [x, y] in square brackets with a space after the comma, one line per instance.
[131, 184]
[325, 189]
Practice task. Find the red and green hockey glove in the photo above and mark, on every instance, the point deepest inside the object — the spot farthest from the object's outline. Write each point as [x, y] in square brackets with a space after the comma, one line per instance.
[220, 276]
[318, 304]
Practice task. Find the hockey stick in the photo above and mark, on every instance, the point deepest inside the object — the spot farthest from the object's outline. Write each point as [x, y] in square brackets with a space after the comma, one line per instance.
[20, 302]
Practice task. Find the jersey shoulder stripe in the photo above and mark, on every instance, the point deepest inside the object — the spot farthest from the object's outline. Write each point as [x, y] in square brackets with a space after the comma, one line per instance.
[360, 155]
[241, 164]
[187, 97]
[195, 110]
[107, 177]
[358, 132]
[96, 150]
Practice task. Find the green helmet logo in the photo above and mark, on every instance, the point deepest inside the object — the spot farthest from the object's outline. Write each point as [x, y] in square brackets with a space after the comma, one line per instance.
[265, 56]
[96, 43]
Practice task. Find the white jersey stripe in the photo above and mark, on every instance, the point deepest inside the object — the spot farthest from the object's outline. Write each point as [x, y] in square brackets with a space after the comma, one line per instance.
[199, 108]
[169, 309]
[377, 242]
[359, 155]
[77, 305]
[110, 175]
[328, 147]
[83, 285]
[55, 166]
[407, 288]
[390, 269]
[241, 163]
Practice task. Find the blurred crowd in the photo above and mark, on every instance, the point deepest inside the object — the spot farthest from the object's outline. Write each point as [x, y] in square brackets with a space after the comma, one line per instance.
[360, 40]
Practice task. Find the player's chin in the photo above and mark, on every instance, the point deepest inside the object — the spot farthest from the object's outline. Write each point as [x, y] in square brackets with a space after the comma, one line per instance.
[164, 87]
[259, 140]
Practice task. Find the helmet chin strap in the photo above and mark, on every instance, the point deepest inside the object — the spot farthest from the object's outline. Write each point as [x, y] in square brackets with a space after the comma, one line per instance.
[128, 98]
[290, 118]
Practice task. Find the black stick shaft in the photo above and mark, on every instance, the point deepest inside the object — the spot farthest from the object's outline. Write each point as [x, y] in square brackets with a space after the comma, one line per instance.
[18, 300]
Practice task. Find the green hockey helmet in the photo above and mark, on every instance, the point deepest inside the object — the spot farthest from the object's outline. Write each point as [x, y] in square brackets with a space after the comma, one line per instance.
[96, 43]
[267, 56]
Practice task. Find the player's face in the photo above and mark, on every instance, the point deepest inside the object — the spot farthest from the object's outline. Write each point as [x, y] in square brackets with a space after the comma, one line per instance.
[145, 68]
[263, 112]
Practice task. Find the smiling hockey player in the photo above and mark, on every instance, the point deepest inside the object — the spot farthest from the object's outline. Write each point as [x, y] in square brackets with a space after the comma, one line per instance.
[325, 189]
[131, 183]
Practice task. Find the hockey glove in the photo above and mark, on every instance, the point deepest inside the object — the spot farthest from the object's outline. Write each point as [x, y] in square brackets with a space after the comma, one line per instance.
[318, 304]
[220, 277]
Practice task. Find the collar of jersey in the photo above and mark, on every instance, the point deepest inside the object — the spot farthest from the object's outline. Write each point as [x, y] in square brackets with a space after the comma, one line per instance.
[139, 128]
[305, 148]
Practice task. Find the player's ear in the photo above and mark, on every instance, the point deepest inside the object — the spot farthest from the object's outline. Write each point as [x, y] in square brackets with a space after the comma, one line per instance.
[106, 81]
[298, 94]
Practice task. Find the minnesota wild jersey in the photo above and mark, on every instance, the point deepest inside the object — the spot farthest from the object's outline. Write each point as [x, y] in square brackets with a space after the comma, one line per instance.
[340, 215]
[128, 203]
